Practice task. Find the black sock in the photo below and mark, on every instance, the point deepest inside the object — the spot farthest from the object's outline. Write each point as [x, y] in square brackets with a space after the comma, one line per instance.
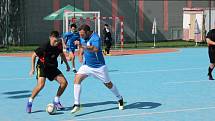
[210, 71]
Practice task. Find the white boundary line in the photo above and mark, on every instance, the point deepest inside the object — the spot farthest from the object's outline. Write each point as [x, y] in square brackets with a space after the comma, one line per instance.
[8, 61]
[183, 82]
[21, 78]
[145, 113]
[162, 70]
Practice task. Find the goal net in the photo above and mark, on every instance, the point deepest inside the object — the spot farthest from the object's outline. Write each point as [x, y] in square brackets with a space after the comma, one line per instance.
[79, 18]
[96, 23]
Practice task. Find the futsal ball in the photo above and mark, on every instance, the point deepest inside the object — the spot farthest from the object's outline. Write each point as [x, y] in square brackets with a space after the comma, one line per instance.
[51, 109]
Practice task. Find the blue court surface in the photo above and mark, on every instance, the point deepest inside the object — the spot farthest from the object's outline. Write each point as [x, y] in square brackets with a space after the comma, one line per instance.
[156, 87]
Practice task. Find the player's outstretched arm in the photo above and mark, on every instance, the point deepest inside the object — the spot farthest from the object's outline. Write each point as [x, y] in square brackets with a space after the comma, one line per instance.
[80, 53]
[33, 58]
[63, 43]
[80, 50]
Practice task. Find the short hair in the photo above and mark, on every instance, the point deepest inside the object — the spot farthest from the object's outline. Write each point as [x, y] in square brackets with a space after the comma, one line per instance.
[54, 34]
[84, 27]
[73, 25]
[106, 25]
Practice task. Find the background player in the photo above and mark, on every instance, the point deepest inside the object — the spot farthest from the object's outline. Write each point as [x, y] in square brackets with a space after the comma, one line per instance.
[210, 38]
[107, 39]
[68, 43]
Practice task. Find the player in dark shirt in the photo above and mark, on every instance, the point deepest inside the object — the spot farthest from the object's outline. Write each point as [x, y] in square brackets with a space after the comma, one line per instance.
[107, 39]
[47, 67]
[210, 38]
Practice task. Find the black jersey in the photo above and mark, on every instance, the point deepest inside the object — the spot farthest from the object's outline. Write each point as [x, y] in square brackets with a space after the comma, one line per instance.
[107, 36]
[211, 36]
[48, 55]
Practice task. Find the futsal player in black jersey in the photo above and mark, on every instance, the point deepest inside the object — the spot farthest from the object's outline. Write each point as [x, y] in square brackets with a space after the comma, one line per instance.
[210, 38]
[47, 67]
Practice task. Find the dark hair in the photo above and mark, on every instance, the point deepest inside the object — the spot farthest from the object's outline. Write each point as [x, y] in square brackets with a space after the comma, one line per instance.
[106, 25]
[73, 25]
[84, 27]
[54, 34]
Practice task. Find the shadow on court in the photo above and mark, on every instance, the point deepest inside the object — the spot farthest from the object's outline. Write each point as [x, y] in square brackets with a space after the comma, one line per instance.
[18, 94]
[92, 104]
[40, 111]
[142, 105]
[113, 70]
[137, 105]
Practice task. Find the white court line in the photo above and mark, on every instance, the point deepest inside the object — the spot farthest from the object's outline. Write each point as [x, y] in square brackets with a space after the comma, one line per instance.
[145, 114]
[21, 78]
[183, 82]
[9, 61]
[162, 70]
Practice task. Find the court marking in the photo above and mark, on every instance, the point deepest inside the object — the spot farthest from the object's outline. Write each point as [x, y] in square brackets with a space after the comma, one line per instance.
[146, 113]
[129, 72]
[162, 70]
[185, 82]
[18, 78]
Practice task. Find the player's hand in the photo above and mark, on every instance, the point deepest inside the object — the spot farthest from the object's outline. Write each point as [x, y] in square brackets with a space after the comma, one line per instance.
[64, 46]
[76, 42]
[31, 73]
[67, 68]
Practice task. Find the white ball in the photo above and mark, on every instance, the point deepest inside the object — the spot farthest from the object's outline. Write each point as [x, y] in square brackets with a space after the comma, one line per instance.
[51, 109]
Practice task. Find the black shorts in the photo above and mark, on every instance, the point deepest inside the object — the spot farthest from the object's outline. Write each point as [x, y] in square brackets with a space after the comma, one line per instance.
[211, 53]
[108, 44]
[49, 73]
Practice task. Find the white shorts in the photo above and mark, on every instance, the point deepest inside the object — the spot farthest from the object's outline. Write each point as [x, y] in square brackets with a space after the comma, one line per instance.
[99, 73]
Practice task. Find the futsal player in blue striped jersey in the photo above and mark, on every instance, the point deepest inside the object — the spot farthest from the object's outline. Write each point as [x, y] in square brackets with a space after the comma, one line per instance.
[93, 64]
[68, 43]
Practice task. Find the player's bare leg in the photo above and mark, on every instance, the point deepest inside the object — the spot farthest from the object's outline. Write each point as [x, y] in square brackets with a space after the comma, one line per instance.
[63, 84]
[36, 90]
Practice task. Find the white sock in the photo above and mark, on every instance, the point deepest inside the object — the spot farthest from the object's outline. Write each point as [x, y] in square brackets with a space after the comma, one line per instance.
[116, 92]
[77, 92]
[73, 69]
[57, 99]
[30, 99]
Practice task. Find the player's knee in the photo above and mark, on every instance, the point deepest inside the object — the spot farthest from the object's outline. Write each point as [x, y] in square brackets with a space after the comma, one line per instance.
[77, 79]
[69, 58]
[109, 85]
[64, 84]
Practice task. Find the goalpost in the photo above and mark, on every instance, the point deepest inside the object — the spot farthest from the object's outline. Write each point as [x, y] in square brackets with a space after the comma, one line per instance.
[95, 21]
[88, 17]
